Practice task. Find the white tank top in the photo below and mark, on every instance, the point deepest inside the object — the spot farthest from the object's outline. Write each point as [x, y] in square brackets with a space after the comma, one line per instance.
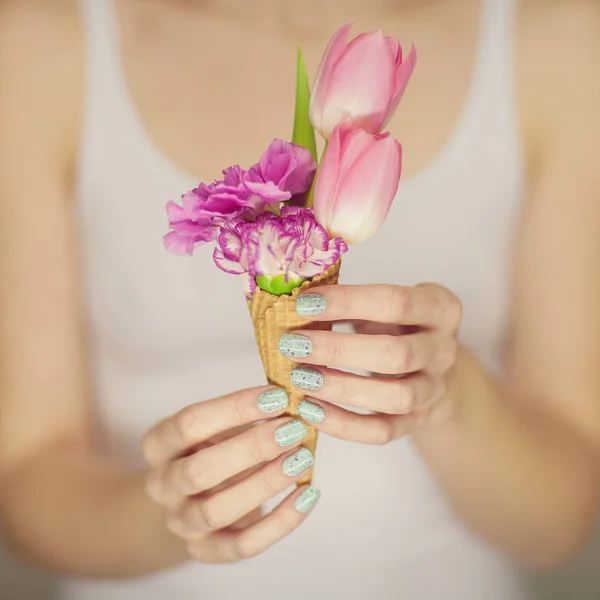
[167, 331]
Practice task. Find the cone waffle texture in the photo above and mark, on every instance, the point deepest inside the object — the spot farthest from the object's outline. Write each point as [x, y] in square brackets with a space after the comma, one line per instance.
[273, 316]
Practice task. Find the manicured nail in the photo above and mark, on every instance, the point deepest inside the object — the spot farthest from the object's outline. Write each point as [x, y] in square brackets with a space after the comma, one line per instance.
[298, 462]
[290, 433]
[273, 400]
[295, 346]
[307, 499]
[310, 305]
[311, 412]
[306, 379]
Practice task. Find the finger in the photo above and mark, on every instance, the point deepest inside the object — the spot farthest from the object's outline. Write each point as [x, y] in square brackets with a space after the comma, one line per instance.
[374, 429]
[231, 546]
[197, 516]
[387, 354]
[197, 423]
[426, 305]
[212, 466]
[394, 396]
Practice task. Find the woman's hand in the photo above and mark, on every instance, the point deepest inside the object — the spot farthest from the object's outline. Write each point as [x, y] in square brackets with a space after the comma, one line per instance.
[408, 339]
[212, 470]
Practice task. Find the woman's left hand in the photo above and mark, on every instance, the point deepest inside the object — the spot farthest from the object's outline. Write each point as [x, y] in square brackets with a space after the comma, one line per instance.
[407, 339]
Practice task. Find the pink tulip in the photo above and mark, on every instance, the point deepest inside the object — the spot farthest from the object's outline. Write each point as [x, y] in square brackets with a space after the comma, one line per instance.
[357, 182]
[363, 81]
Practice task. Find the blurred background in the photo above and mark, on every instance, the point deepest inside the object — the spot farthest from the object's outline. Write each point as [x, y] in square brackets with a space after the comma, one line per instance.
[579, 580]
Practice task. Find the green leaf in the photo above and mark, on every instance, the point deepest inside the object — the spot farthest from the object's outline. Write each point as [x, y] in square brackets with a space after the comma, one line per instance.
[278, 285]
[304, 133]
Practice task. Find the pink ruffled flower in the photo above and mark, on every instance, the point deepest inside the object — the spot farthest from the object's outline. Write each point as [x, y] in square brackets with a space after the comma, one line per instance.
[198, 220]
[293, 245]
[284, 170]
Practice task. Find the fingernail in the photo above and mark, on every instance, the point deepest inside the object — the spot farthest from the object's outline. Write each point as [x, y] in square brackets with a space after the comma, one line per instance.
[298, 462]
[311, 412]
[310, 305]
[273, 400]
[307, 499]
[295, 346]
[290, 433]
[306, 379]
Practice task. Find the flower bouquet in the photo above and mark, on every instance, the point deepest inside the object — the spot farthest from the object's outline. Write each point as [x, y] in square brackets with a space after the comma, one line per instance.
[284, 223]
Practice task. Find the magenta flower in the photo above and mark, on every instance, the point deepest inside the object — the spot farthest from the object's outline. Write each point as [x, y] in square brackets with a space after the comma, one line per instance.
[198, 220]
[284, 170]
[292, 245]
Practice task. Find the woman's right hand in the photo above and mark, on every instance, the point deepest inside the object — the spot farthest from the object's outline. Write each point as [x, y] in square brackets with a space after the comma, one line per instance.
[212, 467]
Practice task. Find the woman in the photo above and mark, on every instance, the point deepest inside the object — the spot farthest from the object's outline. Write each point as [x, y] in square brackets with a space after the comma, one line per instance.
[109, 111]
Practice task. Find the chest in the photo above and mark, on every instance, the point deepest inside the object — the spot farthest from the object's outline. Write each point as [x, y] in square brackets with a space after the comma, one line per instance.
[214, 91]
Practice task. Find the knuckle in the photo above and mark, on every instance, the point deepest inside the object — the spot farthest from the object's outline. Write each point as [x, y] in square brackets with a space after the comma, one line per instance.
[192, 475]
[245, 548]
[384, 433]
[269, 486]
[240, 411]
[256, 446]
[344, 395]
[406, 397]
[334, 351]
[209, 514]
[447, 306]
[185, 423]
[339, 428]
[398, 304]
[449, 354]
[343, 300]
[398, 355]
[454, 310]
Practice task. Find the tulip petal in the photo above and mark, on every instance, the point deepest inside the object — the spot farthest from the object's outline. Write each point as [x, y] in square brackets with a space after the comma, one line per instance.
[396, 50]
[362, 83]
[332, 54]
[367, 191]
[327, 180]
[403, 75]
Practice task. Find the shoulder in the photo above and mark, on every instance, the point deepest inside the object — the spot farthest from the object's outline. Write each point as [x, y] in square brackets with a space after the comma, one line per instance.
[559, 62]
[40, 67]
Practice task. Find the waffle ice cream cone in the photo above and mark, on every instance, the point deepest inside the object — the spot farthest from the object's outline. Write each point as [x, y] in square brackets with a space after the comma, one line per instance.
[273, 316]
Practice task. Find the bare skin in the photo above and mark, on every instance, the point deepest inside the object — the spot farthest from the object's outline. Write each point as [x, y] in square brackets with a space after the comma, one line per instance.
[527, 447]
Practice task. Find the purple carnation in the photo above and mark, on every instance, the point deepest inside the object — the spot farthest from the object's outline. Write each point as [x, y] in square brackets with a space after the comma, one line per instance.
[284, 170]
[293, 245]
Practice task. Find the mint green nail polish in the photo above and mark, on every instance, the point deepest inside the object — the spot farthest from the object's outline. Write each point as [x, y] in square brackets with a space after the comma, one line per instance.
[307, 499]
[311, 412]
[298, 462]
[307, 379]
[290, 433]
[272, 401]
[294, 345]
[310, 305]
